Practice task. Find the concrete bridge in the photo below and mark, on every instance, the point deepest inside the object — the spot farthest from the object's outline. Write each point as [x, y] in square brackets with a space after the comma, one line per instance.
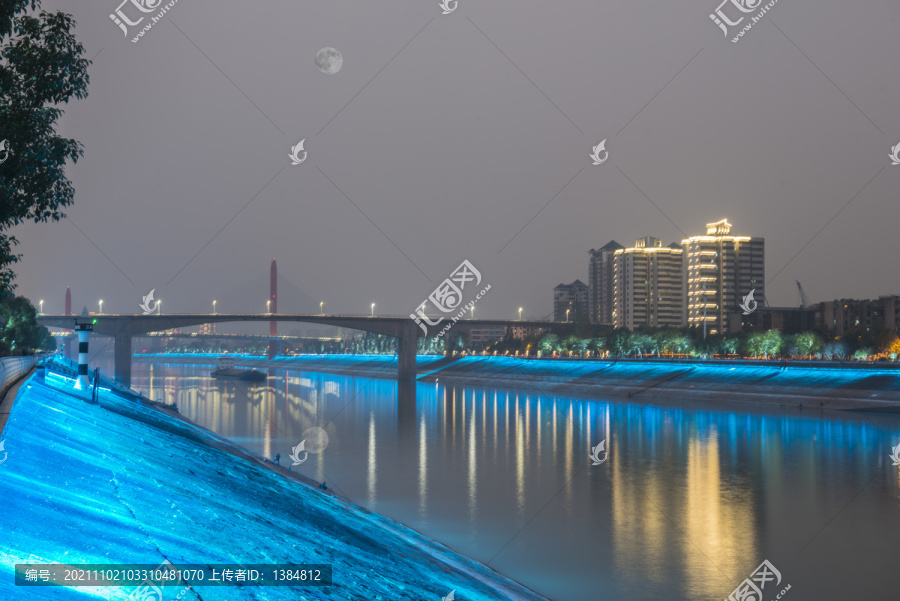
[124, 327]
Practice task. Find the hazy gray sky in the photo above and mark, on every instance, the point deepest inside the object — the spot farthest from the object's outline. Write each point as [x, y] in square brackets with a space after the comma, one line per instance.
[459, 129]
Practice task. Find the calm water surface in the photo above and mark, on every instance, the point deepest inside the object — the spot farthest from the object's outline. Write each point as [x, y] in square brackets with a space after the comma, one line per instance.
[692, 498]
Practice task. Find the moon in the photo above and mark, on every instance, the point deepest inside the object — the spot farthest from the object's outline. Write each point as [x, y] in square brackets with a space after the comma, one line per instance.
[329, 61]
[316, 439]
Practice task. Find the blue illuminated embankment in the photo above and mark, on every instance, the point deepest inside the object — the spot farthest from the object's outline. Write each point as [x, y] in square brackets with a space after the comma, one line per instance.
[863, 388]
[122, 483]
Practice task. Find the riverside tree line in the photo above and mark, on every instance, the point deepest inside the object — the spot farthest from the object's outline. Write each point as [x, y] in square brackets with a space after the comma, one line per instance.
[877, 343]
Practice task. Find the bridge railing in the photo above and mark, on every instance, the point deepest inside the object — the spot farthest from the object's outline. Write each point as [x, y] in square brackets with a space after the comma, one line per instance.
[12, 369]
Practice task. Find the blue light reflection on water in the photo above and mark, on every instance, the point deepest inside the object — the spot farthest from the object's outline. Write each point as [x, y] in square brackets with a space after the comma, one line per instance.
[692, 498]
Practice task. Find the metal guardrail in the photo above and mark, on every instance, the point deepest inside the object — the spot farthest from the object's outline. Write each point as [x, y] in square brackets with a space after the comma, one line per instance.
[12, 369]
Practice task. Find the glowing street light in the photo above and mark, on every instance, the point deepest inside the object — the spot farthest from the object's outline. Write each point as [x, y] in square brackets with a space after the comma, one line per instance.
[101, 306]
[42, 307]
[520, 313]
[214, 308]
[567, 315]
[373, 309]
[321, 304]
[268, 302]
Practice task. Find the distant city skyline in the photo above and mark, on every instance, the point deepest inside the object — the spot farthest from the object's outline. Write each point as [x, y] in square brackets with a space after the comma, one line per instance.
[461, 136]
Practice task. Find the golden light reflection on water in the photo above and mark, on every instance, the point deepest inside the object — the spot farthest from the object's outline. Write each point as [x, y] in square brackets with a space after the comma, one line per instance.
[423, 468]
[568, 466]
[716, 531]
[371, 471]
[520, 459]
[710, 533]
[472, 461]
[269, 416]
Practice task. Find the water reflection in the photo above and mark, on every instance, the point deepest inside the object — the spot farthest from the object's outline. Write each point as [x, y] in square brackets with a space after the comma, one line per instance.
[690, 500]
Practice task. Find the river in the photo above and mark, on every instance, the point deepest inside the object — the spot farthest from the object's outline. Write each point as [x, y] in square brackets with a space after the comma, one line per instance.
[689, 500]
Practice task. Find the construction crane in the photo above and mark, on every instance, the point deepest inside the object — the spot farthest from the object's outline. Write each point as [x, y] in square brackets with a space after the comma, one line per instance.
[804, 301]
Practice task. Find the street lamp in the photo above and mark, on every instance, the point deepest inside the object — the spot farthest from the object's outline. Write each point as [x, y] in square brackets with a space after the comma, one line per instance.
[520, 313]
[321, 304]
[268, 302]
[373, 309]
[567, 315]
[472, 312]
[214, 308]
[42, 307]
[101, 306]
[159, 307]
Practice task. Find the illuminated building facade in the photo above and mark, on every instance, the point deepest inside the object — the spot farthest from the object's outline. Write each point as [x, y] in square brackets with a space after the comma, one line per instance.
[600, 283]
[720, 270]
[647, 285]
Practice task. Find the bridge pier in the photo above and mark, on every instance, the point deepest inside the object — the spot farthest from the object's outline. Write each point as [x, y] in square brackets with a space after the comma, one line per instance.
[123, 352]
[406, 351]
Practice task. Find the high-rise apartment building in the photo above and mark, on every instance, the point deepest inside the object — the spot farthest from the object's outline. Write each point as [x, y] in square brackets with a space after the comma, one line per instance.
[720, 270]
[648, 285]
[600, 283]
[570, 301]
[842, 315]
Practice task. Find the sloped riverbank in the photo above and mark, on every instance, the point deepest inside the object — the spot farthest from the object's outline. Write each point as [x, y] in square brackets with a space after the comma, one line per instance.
[127, 482]
[869, 388]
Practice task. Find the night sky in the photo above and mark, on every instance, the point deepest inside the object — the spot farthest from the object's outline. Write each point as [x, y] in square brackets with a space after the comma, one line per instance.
[466, 136]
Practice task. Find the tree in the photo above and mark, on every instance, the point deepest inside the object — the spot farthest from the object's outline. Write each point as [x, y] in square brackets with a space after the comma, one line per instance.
[19, 329]
[773, 342]
[836, 348]
[549, 343]
[641, 343]
[731, 345]
[754, 344]
[597, 344]
[809, 343]
[582, 346]
[41, 67]
[618, 341]
[570, 343]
